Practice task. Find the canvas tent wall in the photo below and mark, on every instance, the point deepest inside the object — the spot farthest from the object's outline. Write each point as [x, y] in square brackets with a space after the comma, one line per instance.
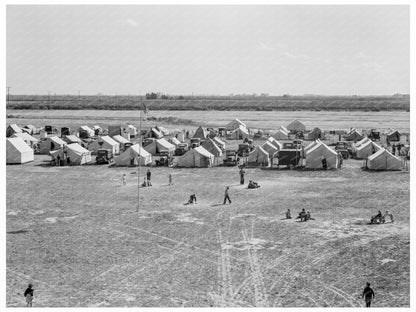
[393, 136]
[315, 155]
[296, 125]
[236, 123]
[12, 129]
[275, 143]
[354, 135]
[154, 133]
[29, 140]
[258, 157]
[174, 141]
[132, 156]
[200, 133]
[160, 146]
[50, 144]
[122, 141]
[240, 133]
[281, 135]
[212, 147]
[384, 160]
[195, 157]
[87, 130]
[219, 143]
[104, 142]
[269, 148]
[366, 149]
[17, 151]
[73, 154]
[72, 139]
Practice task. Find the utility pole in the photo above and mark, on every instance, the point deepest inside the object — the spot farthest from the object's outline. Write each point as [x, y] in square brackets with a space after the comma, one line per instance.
[140, 154]
[8, 95]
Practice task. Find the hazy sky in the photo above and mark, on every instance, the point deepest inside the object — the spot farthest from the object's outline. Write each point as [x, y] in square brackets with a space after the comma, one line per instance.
[208, 49]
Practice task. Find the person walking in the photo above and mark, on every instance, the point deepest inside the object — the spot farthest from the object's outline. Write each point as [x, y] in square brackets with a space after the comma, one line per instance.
[149, 176]
[226, 195]
[29, 295]
[368, 295]
[242, 172]
[124, 179]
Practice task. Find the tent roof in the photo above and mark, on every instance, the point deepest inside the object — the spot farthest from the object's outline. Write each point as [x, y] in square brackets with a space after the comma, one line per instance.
[366, 144]
[269, 145]
[296, 125]
[210, 144]
[86, 128]
[243, 129]
[57, 140]
[108, 140]
[175, 141]
[218, 141]
[77, 149]
[15, 128]
[139, 150]
[283, 128]
[201, 150]
[131, 127]
[25, 136]
[200, 132]
[118, 138]
[165, 144]
[19, 144]
[32, 127]
[96, 127]
[274, 142]
[73, 138]
[380, 152]
[321, 144]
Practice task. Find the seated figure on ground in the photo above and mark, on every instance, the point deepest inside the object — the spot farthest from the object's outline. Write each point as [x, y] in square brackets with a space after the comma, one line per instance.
[302, 215]
[252, 184]
[192, 199]
[388, 214]
[288, 215]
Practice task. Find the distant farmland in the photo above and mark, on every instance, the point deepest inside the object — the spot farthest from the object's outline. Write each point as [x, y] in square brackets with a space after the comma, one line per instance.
[244, 103]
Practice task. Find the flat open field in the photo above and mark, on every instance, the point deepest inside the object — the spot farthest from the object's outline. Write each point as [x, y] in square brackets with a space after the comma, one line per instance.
[75, 233]
[399, 120]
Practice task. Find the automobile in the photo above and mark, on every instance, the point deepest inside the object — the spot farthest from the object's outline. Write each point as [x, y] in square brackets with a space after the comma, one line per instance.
[374, 135]
[344, 149]
[181, 149]
[244, 149]
[195, 142]
[50, 130]
[230, 158]
[104, 156]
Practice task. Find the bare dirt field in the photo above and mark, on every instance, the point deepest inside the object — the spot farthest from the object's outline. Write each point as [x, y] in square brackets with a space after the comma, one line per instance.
[75, 234]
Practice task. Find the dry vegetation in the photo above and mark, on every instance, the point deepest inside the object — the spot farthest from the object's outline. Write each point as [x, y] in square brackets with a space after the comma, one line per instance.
[251, 103]
[75, 233]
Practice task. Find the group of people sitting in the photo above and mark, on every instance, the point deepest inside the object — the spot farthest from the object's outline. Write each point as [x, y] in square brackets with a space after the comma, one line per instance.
[379, 218]
[252, 184]
[303, 215]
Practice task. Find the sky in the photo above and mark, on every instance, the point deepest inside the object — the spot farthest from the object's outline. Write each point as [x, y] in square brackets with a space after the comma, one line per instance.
[328, 50]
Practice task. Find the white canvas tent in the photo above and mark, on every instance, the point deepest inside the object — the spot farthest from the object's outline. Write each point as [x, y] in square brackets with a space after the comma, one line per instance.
[132, 156]
[174, 141]
[75, 154]
[29, 140]
[219, 143]
[296, 125]
[275, 143]
[195, 157]
[122, 141]
[366, 149]
[239, 134]
[160, 146]
[281, 135]
[212, 147]
[258, 157]
[31, 129]
[236, 123]
[12, 129]
[90, 132]
[317, 153]
[384, 160]
[50, 144]
[17, 151]
[72, 139]
[269, 148]
[104, 142]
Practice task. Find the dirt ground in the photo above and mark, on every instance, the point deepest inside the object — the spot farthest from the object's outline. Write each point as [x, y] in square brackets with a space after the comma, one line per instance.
[74, 232]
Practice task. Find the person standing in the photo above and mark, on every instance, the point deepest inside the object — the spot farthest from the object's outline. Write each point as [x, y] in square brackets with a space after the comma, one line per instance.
[29, 295]
[393, 149]
[242, 172]
[124, 179]
[226, 196]
[368, 295]
[170, 179]
[149, 176]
